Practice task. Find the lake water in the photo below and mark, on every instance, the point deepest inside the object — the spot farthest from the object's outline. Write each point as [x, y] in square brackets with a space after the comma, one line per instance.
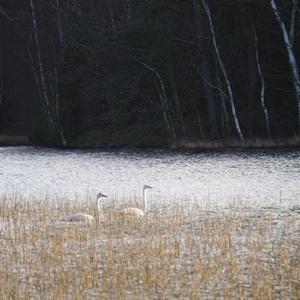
[257, 177]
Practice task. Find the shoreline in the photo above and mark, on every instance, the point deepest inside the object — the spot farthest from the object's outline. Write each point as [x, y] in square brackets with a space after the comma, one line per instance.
[184, 145]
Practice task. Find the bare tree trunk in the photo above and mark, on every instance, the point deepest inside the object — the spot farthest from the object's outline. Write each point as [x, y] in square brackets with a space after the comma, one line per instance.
[42, 81]
[293, 22]
[59, 28]
[250, 85]
[57, 114]
[41, 68]
[291, 56]
[209, 95]
[166, 114]
[164, 102]
[229, 89]
[262, 91]
[34, 72]
[179, 114]
[205, 70]
[224, 113]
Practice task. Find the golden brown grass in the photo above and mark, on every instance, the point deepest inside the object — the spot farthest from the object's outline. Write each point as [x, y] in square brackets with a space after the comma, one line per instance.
[292, 142]
[176, 252]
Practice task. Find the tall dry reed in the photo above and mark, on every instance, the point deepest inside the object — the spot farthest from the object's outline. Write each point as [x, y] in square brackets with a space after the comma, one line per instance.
[174, 253]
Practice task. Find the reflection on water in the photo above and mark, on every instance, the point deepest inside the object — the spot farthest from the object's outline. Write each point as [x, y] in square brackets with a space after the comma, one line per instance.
[256, 176]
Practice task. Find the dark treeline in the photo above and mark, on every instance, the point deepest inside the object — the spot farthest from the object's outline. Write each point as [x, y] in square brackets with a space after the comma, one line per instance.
[149, 73]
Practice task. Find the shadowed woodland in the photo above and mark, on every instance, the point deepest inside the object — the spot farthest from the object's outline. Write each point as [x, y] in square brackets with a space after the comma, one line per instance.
[149, 73]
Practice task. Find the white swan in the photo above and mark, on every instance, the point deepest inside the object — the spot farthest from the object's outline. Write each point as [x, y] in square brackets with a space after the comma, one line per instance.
[134, 212]
[82, 217]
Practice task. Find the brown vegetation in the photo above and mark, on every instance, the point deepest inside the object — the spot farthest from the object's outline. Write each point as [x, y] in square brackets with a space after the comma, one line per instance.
[175, 252]
[247, 144]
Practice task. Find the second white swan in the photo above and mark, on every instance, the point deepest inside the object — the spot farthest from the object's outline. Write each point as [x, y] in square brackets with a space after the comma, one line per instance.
[82, 217]
[134, 212]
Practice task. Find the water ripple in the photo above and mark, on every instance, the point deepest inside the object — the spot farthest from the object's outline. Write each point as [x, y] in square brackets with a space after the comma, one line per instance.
[256, 176]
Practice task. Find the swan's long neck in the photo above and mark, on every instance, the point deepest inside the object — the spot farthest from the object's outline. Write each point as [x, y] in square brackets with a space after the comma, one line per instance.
[98, 206]
[145, 200]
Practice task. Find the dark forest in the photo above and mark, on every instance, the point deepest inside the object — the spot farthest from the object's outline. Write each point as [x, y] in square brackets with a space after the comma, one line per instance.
[87, 73]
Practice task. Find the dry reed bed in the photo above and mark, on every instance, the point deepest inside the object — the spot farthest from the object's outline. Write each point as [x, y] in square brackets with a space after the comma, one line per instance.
[292, 142]
[178, 252]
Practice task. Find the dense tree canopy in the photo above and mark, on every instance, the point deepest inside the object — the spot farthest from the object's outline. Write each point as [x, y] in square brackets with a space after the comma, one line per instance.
[88, 72]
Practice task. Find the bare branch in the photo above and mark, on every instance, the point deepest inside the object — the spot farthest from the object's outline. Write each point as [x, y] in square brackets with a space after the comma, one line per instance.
[263, 88]
[5, 14]
[163, 98]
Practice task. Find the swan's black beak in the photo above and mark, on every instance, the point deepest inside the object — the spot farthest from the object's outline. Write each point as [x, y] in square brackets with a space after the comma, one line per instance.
[100, 195]
[148, 187]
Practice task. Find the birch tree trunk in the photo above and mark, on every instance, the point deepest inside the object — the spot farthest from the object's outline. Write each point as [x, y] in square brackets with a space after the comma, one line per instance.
[164, 102]
[288, 42]
[205, 70]
[42, 81]
[228, 84]
[262, 91]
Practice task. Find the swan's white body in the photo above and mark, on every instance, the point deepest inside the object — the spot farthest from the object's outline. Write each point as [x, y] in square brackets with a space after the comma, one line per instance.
[79, 217]
[86, 218]
[134, 212]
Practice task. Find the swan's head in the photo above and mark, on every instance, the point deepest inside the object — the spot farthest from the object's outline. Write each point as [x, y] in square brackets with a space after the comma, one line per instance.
[146, 187]
[100, 195]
